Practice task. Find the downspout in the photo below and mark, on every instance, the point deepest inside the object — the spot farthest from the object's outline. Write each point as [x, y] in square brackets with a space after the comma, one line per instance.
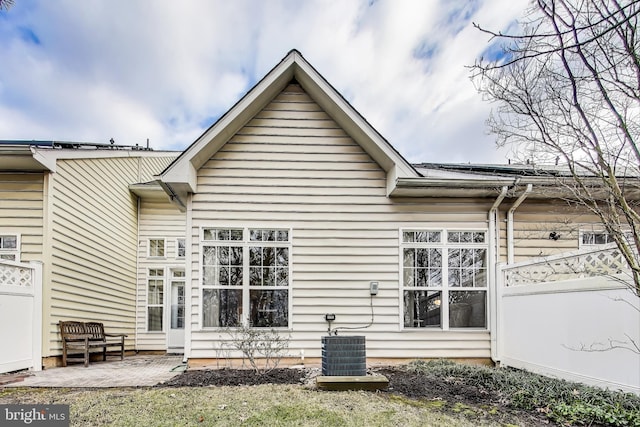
[510, 244]
[494, 250]
[135, 335]
[188, 291]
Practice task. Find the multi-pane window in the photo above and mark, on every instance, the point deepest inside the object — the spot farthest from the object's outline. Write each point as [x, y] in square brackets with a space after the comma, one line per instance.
[444, 279]
[155, 299]
[9, 247]
[180, 248]
[590, 239]
[245, 271]
[156, 248]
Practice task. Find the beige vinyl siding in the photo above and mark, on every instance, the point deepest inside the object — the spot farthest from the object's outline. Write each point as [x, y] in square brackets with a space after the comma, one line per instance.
[93, 252]
[535, 219]
[292, 166]
[158, 219]
[22, 210]
[150, 166]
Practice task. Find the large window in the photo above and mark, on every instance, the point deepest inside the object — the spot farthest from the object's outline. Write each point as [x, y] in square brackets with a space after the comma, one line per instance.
[444, 279]
[9, 247]
[245, 271]
[155, 299]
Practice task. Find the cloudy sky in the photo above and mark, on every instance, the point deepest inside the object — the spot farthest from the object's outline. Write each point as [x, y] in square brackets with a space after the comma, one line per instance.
[166, 70]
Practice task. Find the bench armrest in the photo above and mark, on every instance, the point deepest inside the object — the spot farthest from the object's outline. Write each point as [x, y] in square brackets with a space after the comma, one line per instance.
[116, 335]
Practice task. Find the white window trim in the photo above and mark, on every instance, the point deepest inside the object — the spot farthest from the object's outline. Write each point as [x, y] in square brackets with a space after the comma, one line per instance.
[17, 251]
[164, 243]
[164, 299]
[444, 289]
[245, 243]
[178, 248]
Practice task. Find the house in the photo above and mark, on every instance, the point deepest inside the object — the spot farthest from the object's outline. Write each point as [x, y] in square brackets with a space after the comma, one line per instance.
[290, 207]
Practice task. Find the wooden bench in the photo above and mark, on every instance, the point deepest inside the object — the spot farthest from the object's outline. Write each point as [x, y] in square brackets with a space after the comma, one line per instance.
[82, 337]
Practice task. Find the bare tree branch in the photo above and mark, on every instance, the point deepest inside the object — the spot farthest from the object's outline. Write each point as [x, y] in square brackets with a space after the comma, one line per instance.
[568, 87]
[6, 4]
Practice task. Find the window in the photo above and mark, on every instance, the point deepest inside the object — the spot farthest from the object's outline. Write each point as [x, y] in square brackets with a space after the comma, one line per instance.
[180, 248]
[155, 299]
[444, 279]
[156, 248]
[245, 271]
[592, 239]
[9, 247]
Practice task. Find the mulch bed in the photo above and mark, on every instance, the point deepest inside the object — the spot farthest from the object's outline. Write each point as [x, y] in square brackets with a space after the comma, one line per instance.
[235, 377]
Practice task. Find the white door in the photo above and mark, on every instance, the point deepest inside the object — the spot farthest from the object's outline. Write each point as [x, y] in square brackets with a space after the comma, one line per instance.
[176, 320]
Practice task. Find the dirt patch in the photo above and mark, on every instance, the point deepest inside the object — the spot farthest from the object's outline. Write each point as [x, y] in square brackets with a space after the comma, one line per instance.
[446, 395]
[456, 396]
[235, 377]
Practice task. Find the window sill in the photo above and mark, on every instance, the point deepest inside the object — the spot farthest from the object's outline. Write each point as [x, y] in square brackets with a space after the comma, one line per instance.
[236, 328]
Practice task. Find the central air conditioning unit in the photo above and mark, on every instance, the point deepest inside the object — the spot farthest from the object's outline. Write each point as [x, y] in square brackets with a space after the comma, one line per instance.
[344, 356]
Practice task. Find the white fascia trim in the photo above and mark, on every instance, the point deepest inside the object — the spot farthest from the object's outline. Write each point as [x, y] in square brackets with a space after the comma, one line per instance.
[48, 162]
[373, 143]
[192, 158]
[47, 156]
[183, 170]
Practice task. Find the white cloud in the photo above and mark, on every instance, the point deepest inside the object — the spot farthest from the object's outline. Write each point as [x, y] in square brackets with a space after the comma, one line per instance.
[165, 70]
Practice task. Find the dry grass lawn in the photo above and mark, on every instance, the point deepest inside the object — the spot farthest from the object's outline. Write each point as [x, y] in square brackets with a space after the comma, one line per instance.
[263, 405]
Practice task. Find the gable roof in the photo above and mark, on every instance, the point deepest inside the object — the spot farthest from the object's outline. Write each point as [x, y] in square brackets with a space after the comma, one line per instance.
[179, 178]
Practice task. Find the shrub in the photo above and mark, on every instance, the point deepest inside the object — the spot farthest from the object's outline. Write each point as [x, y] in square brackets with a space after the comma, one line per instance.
[562, 401]
[262, 348]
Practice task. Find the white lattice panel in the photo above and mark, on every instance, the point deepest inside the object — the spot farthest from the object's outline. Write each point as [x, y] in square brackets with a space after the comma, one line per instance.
[15, 276]
[589, 264]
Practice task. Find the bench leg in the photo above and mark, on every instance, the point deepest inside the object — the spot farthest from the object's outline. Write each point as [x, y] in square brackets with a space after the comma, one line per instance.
[64, 355]
[86, 355]
[104, 354]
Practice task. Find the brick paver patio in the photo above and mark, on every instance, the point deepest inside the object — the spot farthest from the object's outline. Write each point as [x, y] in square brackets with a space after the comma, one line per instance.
[133, 371]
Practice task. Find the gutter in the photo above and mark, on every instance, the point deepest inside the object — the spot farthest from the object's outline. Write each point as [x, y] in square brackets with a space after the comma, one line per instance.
[172, 195]
[456, 183]
[510, 244]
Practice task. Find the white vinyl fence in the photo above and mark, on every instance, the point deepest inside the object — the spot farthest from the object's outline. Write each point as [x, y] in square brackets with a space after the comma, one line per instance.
[571, 316]
[20, 316]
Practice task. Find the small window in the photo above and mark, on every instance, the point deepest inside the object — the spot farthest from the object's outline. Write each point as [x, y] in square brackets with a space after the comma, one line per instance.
[593, 239]
[9, 247]
[156, 248]
[180, 248]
